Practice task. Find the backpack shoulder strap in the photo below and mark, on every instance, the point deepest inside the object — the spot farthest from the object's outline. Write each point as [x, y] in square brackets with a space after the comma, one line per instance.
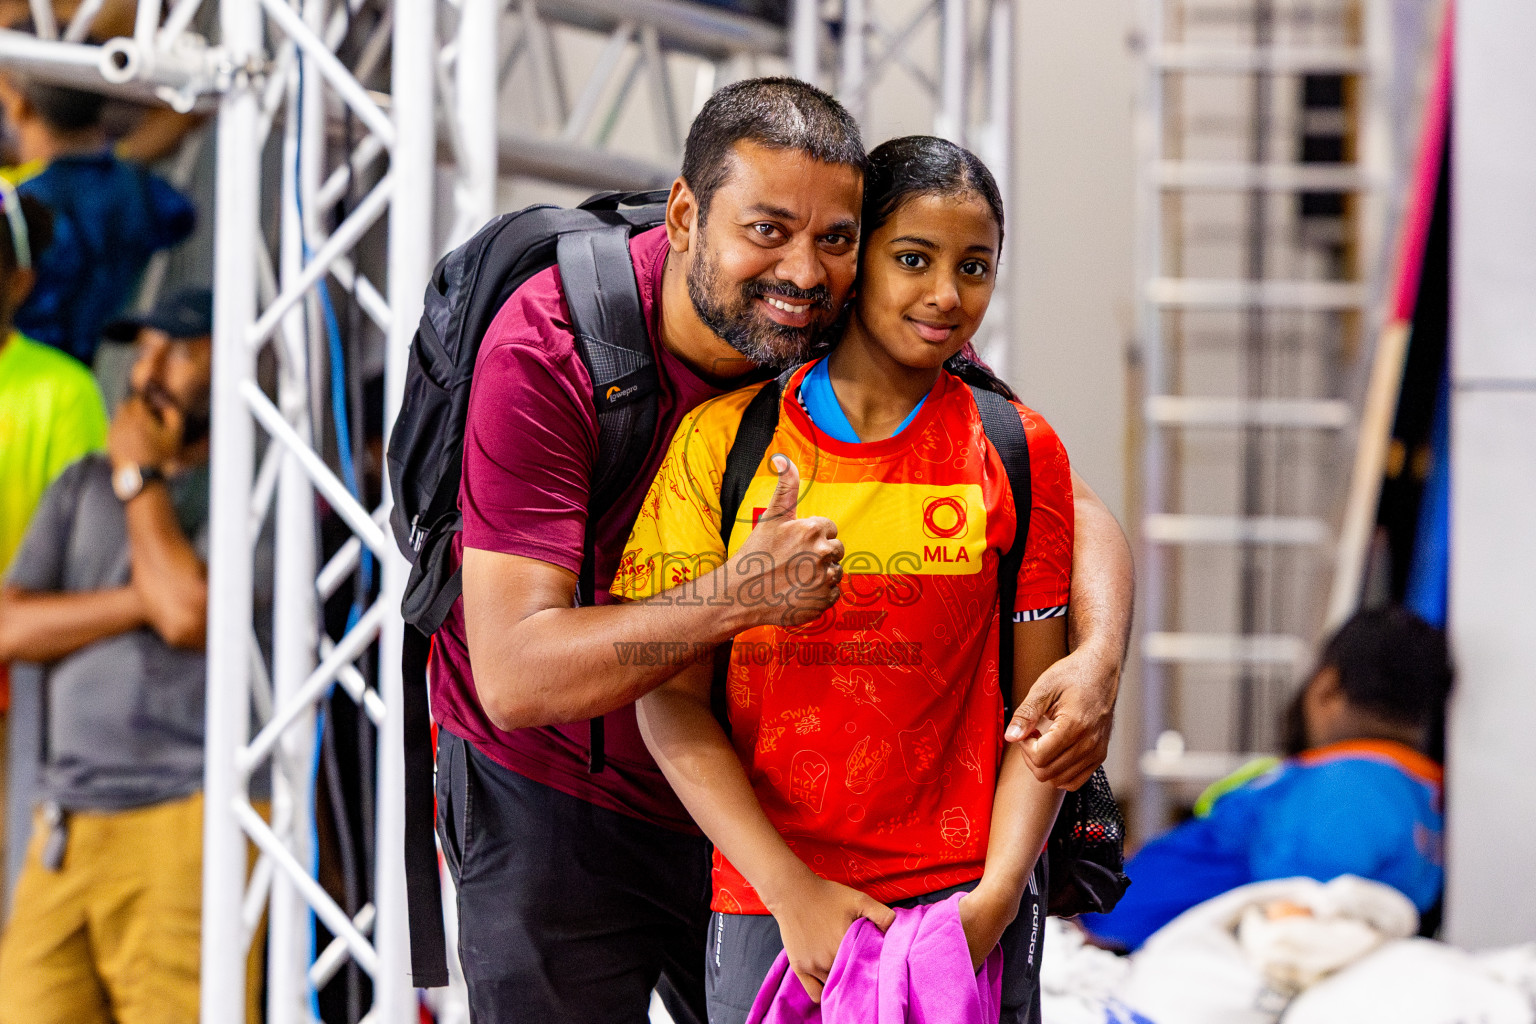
[758, 422]
[468, 288]
[1005, 432]
[618, 201]
[598, 280]
[423, 892]
[753, 436]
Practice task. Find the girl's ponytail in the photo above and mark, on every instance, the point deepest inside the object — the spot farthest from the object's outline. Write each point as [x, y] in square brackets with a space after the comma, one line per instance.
[969, 367]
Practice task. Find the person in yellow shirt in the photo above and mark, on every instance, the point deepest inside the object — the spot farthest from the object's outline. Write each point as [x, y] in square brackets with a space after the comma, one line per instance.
[860, 761]
[50, 410]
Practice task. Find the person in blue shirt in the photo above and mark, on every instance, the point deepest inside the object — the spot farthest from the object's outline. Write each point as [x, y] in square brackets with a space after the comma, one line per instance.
[109, 216]
[1358, 796]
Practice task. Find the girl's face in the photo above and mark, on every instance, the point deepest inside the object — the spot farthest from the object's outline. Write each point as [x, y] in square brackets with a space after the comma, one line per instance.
[928, 276]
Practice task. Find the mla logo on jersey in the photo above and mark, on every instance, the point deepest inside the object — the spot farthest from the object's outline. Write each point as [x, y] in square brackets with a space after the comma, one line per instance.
[893, 529]
[944, 517]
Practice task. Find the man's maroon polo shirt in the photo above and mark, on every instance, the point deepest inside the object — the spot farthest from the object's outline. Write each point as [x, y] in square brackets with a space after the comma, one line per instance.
[529, 449]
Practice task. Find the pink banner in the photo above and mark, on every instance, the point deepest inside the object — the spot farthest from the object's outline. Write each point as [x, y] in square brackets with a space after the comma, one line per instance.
[1426, 178]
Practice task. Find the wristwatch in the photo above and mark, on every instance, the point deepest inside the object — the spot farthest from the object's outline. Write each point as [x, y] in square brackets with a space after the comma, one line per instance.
[129, 479]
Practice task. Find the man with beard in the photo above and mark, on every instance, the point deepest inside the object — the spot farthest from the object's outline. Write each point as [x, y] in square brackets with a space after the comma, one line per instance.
[109, 592]
[580, 891]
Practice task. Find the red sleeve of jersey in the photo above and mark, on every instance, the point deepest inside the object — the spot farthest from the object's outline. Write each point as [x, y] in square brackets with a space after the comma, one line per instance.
[1045, 577]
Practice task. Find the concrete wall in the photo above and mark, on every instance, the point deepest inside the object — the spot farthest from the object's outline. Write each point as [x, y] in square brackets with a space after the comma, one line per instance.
[1071, 231]
[1491, 792]
[1072, 227]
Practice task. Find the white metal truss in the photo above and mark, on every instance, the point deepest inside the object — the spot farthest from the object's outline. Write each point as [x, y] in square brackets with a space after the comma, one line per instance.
[581, 67]
[302, 87]
[178, 69]
[1227, 279]
[303, 81]
[303, 84]
[968, 61]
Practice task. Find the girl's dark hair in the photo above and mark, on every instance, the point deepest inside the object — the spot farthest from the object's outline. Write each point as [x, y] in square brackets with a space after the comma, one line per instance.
[924, 165]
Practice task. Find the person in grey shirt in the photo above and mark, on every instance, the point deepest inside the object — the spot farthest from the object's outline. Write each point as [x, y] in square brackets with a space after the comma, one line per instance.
[109, 591]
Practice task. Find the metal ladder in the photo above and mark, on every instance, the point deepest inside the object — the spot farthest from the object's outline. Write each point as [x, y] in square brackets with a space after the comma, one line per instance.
[1258, 242]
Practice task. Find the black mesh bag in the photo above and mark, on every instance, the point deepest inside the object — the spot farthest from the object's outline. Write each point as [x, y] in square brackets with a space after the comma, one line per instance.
[1087, 852]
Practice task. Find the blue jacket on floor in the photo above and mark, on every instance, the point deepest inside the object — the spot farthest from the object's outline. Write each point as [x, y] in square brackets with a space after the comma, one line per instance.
[1362, 807]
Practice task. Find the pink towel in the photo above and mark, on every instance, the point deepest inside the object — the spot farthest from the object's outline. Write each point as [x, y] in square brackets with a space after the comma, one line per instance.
[918, 972]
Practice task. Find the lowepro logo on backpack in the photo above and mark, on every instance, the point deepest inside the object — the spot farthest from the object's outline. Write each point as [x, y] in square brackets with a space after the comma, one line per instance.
[631, 387]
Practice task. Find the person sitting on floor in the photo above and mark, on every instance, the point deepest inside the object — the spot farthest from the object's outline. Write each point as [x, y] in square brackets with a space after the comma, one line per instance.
[1359, 798]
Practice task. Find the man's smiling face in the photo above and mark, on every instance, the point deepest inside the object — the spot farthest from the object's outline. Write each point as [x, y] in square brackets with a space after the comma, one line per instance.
[777, 252]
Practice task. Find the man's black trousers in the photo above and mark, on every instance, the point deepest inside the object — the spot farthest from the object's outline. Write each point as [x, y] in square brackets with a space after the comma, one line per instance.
[567, 912]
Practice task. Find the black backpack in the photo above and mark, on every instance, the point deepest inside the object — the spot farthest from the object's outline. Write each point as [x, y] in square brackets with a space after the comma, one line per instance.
[590, 245]
[1086, 851]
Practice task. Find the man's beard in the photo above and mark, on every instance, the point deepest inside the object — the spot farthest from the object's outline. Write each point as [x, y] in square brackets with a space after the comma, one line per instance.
[740, 325]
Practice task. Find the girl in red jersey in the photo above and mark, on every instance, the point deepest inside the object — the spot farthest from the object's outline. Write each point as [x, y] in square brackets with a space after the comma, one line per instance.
[865, 765]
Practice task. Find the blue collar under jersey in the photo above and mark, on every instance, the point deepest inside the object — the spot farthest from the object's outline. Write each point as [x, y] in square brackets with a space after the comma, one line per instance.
[821, 405]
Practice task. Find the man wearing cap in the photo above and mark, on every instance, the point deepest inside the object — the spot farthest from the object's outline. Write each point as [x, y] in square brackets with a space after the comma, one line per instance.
[109, 592]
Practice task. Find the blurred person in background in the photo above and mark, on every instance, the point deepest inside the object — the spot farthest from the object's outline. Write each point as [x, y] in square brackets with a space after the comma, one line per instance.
[1357, 796]
[109, 592]
[154, 131]
[110, 216]
[50, 411]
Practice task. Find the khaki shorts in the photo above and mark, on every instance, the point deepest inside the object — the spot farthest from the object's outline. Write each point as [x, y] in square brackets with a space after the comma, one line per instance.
[112, 936]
